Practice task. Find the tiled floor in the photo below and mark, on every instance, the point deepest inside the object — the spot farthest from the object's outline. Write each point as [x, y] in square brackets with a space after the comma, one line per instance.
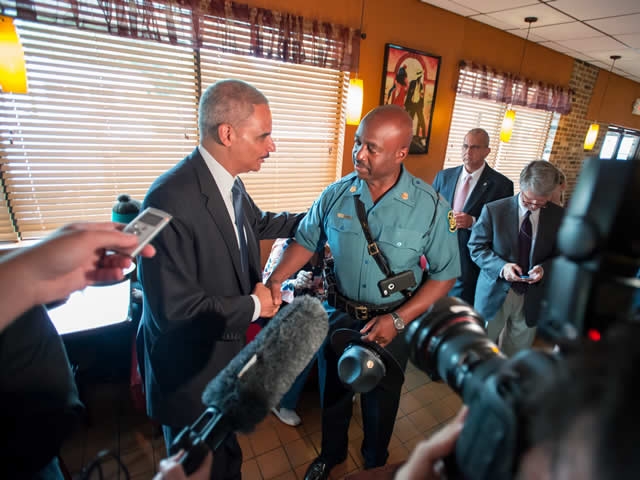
[273, 451]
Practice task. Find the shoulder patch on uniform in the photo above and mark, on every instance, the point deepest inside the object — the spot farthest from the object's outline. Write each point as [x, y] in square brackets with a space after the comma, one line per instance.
[422, 185]
[340, 185]
[347, 178]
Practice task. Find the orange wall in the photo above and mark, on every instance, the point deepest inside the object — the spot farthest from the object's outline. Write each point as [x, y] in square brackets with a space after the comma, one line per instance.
[615, 106]
[410, 23]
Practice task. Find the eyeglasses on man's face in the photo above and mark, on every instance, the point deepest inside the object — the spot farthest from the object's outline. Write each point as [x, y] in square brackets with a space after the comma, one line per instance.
[473, 148]
[533, 203]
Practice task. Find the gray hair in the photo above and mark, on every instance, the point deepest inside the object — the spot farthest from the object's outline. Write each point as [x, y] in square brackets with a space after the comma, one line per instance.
[539, 177]
[560, 176]
[226, 101]
[482, 132]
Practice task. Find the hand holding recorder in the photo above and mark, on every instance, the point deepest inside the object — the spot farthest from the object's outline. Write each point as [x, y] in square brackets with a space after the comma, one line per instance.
[69, 259]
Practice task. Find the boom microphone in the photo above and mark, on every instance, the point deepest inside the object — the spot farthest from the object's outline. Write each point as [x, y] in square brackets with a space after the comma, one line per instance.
[255, 380]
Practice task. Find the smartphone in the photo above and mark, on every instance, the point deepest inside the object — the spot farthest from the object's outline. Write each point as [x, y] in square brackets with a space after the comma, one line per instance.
[397, 283]
[525, 277]
[146, 226]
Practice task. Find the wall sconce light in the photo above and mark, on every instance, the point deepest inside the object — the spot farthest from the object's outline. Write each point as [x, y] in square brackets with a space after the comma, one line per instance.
[355, 98]
[355, 95]
[13, 70]
[592, 136]
[507, 125]
[510, 115]
[594, 128]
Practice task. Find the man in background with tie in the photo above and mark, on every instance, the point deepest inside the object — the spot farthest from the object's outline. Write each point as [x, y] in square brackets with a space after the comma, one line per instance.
[467, 188]
[203, 288]
[513, 243]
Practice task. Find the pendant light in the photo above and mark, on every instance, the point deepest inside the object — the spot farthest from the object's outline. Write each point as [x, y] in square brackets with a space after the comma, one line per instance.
[594, 128]
[355, 95]
[510, 115]
[13, 70]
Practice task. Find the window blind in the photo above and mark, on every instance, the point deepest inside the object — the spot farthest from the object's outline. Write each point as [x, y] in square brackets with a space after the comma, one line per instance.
[104, 115]
[107, 115]
[527, 142]
[308, 105]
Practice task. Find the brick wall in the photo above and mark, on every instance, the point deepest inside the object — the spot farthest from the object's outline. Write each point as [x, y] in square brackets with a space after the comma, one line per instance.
[568, 151]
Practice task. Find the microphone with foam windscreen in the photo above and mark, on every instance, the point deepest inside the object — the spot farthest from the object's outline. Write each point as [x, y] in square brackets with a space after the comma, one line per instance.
[256, 379]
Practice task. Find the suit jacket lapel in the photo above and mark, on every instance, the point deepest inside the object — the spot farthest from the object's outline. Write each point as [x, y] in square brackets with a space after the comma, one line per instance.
[219, 214]
[513, 225]
[542, 233]
[484, 182]
[450, 186]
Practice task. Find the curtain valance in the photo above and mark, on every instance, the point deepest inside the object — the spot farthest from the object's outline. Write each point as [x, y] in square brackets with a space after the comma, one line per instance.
[483, 82]
[274, 35]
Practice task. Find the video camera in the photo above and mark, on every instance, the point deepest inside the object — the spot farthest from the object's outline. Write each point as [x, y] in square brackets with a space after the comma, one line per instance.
[593, 284]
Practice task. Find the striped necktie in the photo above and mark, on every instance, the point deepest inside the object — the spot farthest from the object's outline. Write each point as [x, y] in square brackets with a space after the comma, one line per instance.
[524, 251]
[236, 193]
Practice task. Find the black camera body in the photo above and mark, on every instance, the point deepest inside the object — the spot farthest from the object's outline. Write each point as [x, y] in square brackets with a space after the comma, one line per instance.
[593, 285]
[449, 343]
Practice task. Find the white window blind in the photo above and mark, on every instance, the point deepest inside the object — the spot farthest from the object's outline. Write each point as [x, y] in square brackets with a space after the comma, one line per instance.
[104, 115]
[107, 115]
[308, 105]
[527, 140]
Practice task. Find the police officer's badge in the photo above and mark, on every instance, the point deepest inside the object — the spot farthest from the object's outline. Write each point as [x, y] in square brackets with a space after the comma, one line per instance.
[453, 226]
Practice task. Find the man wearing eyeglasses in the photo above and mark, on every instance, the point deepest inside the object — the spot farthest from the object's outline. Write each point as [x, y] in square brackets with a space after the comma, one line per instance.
[513, 243]
[467, 188]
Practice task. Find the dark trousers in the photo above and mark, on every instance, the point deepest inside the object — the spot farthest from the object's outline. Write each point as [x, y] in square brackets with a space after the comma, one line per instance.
[466, 290]
[379, 406]
[227, 459]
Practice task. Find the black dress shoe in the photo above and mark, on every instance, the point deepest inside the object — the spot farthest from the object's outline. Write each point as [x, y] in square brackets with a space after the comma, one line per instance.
[318, 470]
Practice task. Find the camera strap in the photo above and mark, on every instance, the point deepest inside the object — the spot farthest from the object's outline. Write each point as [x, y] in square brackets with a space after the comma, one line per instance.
[372, 246]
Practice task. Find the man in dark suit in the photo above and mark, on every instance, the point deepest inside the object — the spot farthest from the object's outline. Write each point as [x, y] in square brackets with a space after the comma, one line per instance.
[484, 185]
[515, 237]
[203, 287]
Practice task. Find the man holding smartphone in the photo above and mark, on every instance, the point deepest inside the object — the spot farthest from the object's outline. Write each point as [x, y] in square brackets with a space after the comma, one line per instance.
[513, 243]
[378, 215]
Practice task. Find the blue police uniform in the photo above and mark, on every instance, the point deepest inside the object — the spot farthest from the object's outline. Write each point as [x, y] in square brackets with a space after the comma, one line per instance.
[408, 221]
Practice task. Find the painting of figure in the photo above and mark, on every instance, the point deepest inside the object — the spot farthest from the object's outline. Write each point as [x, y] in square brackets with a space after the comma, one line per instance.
[410, 79]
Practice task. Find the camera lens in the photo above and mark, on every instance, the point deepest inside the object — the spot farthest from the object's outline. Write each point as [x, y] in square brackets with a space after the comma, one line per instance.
[449, 342]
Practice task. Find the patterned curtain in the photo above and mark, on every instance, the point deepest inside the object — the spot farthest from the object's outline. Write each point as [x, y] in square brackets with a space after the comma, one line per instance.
[274, 35]
[281, 36]
[483, 82]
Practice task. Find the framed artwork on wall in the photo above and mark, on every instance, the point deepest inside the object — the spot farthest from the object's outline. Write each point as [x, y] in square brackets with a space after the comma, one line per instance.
[410, 79]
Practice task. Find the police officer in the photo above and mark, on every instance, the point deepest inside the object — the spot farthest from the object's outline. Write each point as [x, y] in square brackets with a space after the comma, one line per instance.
[406, 219]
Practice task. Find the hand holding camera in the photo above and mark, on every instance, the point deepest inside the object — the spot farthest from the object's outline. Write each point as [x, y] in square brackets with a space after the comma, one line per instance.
[426, 461]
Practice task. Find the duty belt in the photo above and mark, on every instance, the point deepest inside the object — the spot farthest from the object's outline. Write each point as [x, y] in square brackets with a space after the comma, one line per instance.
[360, 311]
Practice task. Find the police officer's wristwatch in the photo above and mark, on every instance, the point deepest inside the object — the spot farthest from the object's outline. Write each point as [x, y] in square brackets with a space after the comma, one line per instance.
[397, 321]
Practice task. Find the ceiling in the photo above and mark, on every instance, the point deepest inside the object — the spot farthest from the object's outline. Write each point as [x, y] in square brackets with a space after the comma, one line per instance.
[590, 30]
